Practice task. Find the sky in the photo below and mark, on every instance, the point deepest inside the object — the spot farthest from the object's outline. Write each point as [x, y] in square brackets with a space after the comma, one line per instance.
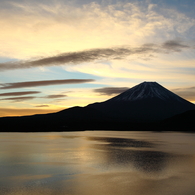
[56, 54]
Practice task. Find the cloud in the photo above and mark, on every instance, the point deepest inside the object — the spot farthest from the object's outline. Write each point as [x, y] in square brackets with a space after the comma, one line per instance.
[174, 45]
[98, 54]
[41, 106]
[187, 93]
[19, 93]
[55, 96]
[121, 23]
[43, 83]
[19, 99]
[110, 90]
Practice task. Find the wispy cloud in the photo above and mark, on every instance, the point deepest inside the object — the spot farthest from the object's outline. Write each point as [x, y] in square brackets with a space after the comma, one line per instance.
[55, 96]
[174, 45]
[19, 93]
[42, 106]
[19, 99]
[187, 93]
[98, 54]
[43, 83]
[110, 90]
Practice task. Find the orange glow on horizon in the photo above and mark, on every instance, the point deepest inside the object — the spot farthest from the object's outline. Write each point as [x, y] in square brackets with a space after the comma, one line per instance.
[24, 112]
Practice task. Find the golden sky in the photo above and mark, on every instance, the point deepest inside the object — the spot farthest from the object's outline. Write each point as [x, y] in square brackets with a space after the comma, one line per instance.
[59, 54]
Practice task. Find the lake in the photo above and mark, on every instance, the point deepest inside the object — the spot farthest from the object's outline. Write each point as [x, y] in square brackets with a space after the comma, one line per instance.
[97, 162]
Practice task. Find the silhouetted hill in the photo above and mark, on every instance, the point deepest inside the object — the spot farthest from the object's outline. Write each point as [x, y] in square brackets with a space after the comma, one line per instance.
[75, 118]
[180, 122]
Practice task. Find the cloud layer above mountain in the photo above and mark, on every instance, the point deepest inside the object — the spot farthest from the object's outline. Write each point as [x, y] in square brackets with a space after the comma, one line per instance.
[43, 83]
[19, 93]
[110, 90]
[34, 28]
[99, 54]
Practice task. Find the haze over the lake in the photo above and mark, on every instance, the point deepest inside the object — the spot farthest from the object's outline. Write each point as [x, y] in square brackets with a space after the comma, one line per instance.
[59, 54]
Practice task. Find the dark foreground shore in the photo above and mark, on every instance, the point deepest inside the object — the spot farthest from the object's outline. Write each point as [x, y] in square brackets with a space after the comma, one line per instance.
[52, 122]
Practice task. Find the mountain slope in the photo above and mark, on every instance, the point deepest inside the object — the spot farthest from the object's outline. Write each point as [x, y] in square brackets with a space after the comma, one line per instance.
[145, 102]
[180, 122]
[75, 118]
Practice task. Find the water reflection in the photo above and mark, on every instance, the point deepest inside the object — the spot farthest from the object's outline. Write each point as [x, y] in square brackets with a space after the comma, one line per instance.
[96, 163]
[122, 142]
[151, 161]
[121, 151]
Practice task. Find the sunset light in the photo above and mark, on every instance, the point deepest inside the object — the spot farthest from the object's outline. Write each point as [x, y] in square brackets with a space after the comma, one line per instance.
[59, 54]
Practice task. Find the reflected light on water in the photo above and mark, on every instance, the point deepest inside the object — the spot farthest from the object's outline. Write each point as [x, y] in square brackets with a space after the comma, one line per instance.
[97, 162]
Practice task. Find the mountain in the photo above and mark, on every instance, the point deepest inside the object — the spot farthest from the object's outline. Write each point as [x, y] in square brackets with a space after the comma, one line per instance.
[146, 102]
[180, 122]
[75, 118]
[143, 107]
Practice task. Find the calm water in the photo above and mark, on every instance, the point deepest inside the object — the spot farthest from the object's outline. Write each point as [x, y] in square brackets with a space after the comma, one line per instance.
[97, 162]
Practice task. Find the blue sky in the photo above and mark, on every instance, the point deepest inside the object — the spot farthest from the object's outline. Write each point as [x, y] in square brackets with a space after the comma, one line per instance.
[72, 53]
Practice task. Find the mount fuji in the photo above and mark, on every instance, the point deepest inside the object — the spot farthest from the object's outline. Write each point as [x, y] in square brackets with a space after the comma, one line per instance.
[146, 102]
[141, 107]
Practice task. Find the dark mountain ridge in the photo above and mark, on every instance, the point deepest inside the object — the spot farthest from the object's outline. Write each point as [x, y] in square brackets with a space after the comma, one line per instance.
[143, 107]
[180, 122]
[146, 102]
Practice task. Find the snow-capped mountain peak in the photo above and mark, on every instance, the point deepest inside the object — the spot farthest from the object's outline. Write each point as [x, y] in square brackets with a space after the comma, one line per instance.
[147, 101]
[146, 90]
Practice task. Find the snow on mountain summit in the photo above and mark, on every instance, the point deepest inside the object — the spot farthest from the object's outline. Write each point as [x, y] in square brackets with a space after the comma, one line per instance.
[146, 90]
